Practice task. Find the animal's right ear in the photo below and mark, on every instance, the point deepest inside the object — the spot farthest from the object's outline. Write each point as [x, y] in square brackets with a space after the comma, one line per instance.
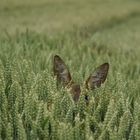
[61, 71]
[97, 77]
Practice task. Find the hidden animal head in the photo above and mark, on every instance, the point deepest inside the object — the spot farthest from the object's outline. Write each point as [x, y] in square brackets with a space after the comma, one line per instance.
[63, 76]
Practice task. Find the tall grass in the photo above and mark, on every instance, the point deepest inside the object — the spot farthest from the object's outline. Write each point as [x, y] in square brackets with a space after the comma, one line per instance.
[32, 107]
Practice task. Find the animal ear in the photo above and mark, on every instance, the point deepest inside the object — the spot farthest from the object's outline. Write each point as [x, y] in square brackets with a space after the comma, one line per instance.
[61, 71]
[98, 76]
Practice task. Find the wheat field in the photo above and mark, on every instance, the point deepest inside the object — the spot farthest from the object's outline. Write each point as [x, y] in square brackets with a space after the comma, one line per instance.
[85, 33]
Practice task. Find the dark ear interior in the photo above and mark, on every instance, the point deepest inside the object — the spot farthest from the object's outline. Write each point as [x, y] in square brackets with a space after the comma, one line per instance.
[97, 77]
[61, 71]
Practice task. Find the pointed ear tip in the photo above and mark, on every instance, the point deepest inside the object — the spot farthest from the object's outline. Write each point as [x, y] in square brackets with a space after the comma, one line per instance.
[106, 64]
[56, 56]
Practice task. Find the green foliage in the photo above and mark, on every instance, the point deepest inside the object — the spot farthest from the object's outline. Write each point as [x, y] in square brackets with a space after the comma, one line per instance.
[34, 107]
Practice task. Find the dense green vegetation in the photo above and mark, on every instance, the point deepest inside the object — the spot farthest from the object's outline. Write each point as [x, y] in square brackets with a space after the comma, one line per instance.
[85, 34]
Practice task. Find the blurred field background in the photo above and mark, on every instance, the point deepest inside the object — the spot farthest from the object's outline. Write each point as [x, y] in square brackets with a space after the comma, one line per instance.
[85, 33]
[49, 16]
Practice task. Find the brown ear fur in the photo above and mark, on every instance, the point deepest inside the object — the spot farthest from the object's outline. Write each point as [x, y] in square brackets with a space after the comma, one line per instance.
[97, 77]
[63, 76]
[61, 71]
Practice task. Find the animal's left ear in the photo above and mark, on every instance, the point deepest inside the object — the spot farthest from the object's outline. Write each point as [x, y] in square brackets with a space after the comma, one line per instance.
[61, 71]
[97, 77]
